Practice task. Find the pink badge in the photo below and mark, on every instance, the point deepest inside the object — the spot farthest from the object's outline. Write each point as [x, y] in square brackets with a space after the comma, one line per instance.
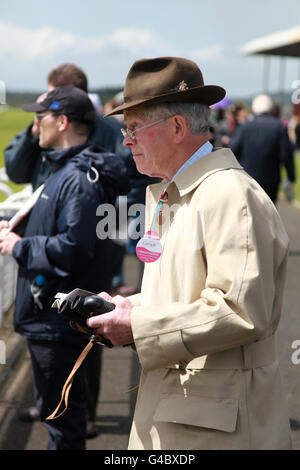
[149, 248]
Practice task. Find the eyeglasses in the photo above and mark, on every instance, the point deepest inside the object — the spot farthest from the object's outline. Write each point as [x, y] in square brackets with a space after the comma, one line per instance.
[131, 133]
[40, 116]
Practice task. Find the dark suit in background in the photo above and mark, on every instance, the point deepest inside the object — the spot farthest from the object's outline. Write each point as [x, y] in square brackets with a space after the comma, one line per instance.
[262, 146]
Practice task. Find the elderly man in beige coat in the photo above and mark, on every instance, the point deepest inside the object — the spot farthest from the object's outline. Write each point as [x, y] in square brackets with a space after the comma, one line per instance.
[215, 253]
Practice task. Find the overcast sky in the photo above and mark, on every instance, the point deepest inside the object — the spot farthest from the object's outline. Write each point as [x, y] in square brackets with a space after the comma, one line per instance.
[104, 37]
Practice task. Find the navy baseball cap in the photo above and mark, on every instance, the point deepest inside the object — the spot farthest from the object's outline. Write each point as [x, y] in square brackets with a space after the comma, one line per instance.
[70, 101]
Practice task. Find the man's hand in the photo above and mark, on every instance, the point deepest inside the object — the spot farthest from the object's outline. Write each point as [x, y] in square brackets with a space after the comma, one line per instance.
[7, 243]
[3, 224]
[114, 325]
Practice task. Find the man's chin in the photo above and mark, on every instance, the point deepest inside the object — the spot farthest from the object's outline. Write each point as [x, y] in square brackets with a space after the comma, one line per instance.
[143, 171]
[42, 144]
[139, 166]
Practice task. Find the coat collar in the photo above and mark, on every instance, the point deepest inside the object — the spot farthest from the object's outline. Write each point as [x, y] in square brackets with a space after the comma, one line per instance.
[222, 159]
[60, 156]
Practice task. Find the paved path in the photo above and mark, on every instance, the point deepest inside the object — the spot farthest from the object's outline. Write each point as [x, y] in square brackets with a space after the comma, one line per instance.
[121, 371]
[114, 414]
[289, 327]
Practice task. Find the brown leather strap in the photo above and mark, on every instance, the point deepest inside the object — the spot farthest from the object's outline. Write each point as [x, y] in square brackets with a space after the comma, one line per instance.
[68, 384]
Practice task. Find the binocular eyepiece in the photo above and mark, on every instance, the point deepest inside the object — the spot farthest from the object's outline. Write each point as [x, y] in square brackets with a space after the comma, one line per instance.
[83, 307]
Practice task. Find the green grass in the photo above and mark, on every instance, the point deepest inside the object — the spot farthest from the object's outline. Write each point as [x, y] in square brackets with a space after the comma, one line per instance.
[12, 121]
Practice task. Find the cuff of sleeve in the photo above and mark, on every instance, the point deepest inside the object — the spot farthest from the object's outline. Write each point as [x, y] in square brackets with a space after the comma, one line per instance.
[18, 249]
[157, 350]
[135, 300]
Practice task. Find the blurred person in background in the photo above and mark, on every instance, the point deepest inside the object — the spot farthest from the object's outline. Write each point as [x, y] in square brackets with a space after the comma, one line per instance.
[241, 114]
[97, 103]
[262, 146]
[294, 125]
[111, 104]
[297, 134]
[228, 116]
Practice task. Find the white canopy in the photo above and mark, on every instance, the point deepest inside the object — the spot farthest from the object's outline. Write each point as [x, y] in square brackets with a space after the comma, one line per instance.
[285, 43]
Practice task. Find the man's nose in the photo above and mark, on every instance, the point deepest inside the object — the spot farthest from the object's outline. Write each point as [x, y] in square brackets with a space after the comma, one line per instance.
[128, 141]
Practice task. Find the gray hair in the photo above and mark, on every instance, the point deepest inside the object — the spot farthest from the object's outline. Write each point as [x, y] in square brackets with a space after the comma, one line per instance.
[196, 114]
[262, 104]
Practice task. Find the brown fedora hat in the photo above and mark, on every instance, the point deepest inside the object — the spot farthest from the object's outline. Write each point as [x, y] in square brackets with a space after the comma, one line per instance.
[166, 80]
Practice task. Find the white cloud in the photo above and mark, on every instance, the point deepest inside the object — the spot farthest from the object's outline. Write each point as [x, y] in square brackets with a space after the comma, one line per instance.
[47, 42]
[210, 53]
[26, 44]
[136, 40]
[105, 58]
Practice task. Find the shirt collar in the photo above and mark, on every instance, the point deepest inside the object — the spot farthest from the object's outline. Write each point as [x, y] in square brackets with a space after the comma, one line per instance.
[221, 159]
[205, 149]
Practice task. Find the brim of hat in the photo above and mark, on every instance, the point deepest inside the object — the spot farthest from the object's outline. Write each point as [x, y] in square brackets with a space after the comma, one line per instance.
[208, 94]
[33, 107]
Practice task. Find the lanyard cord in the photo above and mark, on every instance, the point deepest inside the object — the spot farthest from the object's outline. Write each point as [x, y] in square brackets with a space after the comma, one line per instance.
[163, 198]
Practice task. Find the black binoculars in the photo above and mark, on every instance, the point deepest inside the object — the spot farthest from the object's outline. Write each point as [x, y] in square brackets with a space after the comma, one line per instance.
[83, 307]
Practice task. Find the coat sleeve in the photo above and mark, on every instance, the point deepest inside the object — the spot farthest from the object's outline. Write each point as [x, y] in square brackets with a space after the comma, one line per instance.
[21, 155]
[72, 246]
[245, 248]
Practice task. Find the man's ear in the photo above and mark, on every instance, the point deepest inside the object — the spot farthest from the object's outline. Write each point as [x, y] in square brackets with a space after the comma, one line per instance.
[180, 128]
[62, 122]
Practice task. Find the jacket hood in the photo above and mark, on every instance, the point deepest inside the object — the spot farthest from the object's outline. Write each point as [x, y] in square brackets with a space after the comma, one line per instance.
[99, 165]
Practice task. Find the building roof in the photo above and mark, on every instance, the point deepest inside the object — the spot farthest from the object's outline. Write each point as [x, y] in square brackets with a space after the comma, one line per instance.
[284, 43]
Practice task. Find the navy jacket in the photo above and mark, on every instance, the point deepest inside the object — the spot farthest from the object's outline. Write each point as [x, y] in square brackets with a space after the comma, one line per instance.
[262, 146]
[24, 157]
[60, 240]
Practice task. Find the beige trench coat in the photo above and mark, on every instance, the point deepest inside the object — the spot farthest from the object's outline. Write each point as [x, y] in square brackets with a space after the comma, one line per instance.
[205, 320]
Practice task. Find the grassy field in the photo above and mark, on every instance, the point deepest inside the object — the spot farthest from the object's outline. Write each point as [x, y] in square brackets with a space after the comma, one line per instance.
[15, 120]
[12, 121]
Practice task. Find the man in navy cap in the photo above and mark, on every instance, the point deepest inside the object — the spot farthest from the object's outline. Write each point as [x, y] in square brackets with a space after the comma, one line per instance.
[60, 251]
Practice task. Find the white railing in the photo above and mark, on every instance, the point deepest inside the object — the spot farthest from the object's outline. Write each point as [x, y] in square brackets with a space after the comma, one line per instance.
[8, 266]
[4, 188]
[8, 277]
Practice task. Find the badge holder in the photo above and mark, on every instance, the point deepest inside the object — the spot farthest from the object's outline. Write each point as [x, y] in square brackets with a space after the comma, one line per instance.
[149, 248]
